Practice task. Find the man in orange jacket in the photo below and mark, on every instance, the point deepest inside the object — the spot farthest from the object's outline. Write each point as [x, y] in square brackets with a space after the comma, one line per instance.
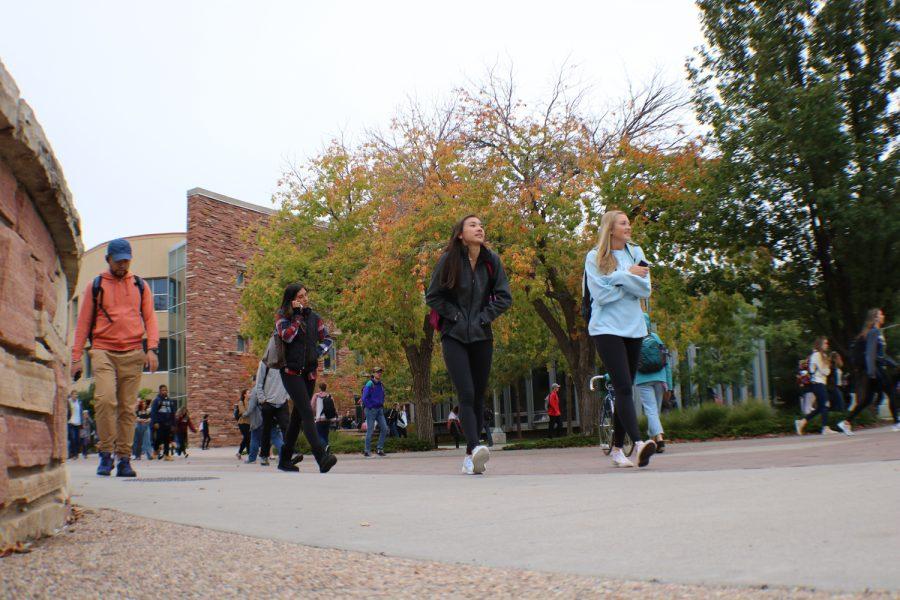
[554, 412]
[116, 313]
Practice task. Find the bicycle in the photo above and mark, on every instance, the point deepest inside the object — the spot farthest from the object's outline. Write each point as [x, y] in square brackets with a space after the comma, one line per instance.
[607, 421]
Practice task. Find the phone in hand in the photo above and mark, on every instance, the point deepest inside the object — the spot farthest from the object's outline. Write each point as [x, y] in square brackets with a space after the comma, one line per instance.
[643, 263]
[77, 376]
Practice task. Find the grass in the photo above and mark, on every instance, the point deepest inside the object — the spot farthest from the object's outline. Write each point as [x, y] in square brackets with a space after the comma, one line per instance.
[708, 421]
[342, 443]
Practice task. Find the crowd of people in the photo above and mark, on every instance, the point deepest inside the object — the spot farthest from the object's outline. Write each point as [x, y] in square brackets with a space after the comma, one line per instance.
[468, 291]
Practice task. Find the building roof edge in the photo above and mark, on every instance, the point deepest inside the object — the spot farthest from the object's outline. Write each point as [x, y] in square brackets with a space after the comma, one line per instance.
[197, 191]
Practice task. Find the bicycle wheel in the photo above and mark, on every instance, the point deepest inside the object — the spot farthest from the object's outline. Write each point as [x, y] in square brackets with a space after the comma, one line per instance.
[628, 445]
[606, 427]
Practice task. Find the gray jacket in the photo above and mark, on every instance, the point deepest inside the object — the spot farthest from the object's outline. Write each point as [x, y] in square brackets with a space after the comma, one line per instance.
[269, 387]
[467, 310]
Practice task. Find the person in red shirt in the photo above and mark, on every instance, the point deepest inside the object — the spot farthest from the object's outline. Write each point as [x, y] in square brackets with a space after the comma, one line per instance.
[553, 411]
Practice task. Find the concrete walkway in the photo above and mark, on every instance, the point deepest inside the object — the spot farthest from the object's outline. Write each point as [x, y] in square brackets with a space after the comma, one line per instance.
[811, 511]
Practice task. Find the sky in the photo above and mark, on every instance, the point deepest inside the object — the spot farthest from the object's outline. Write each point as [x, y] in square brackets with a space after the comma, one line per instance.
[143, 101]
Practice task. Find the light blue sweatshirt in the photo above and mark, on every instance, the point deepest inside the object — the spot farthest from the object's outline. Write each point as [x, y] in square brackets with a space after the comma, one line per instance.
[616, 307]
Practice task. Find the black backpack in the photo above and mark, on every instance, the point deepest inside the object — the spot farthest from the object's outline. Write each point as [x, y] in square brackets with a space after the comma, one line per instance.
[858, 353]
[328, 409]
[97, 295]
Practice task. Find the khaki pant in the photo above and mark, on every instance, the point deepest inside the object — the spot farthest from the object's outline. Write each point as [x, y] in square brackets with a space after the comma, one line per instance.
[117, 380]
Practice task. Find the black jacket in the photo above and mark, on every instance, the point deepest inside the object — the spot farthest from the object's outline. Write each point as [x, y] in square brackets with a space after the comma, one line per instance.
[468, 310]
[300, 354]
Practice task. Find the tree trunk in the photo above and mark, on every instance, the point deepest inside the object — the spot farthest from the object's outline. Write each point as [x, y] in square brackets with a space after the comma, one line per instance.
[515, 398]
[570, 415]
[418, 356]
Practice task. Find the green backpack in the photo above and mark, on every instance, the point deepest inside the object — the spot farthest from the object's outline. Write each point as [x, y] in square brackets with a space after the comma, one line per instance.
[654, 356]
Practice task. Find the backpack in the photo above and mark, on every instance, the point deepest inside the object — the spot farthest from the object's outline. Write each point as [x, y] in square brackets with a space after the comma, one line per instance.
[654, 356]
[436, 320]
[328, 409]
[803, 379]
[858, 353]
[97, 296]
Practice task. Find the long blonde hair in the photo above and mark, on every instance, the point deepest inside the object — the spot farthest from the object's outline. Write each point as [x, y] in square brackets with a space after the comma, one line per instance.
[606, 262]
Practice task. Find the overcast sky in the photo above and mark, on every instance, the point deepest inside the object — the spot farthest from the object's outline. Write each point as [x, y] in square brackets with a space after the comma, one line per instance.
[143, 101]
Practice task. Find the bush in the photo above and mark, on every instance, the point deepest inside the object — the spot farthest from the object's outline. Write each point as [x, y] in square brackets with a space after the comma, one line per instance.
[569, 441]
[341, 443]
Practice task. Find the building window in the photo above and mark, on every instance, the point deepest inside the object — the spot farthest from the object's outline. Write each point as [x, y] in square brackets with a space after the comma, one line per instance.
[163, 356]
[242, 344]
[159, 286]
[240, 278]
[330, 360]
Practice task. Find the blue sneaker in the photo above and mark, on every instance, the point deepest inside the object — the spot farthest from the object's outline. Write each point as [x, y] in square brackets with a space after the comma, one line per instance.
[106, 464]
[123, 469]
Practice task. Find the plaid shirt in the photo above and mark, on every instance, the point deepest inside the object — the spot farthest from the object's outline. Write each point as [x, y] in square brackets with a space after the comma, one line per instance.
[289, 328]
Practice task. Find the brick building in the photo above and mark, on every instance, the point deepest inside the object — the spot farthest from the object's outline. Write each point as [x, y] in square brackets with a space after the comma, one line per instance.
[209, 361]
[40, 246]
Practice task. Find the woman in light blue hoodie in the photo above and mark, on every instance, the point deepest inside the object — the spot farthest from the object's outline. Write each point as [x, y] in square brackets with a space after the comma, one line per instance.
[618, 277]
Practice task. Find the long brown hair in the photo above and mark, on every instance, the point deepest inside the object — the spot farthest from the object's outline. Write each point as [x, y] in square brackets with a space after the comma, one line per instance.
[871, 317]
[454, 250]
[819, 344]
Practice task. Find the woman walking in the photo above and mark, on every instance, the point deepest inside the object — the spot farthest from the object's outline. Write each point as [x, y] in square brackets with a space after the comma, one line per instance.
[468, 291]
[618, 277]
[301, 330]
[243, 423]
[819, 370]
[875, 375]
[142, 431]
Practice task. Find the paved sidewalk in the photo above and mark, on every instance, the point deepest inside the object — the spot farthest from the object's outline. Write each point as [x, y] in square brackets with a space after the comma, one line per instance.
[812, 511]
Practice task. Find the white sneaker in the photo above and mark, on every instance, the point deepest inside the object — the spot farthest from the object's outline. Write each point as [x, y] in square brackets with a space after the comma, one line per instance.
[644, 450]
[619, 459]
[468, 468]
[896, 427]
[799, 426]
[844, 426]
[480, 456]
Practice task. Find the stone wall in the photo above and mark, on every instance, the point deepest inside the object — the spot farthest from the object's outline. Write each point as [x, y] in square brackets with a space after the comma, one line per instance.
[216, 252]
[40, 246]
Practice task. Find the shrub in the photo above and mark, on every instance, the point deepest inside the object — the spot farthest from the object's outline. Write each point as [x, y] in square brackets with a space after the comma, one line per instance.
[341, 443]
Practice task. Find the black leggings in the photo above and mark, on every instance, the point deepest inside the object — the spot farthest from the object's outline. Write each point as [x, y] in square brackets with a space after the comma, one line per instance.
[469, 366]
[620, 357]
[872, 388]
[163, 438]
[245, 437]
[300, 389]
[272, 416]
[821, 393]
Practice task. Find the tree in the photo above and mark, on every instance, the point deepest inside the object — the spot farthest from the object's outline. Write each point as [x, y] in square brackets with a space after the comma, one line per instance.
[798, 95]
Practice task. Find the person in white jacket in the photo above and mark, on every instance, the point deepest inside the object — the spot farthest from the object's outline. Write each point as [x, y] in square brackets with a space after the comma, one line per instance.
[819, 370]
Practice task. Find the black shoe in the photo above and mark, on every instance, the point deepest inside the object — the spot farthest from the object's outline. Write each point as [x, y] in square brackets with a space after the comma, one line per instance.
[328, 461]
[298, 458]
[366, 454]
[288, 468]
[379, 452]
[264, 461]
[660, 446]
[123, 469]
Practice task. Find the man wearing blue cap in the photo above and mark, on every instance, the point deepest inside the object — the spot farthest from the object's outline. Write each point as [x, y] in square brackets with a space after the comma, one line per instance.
[116, 314]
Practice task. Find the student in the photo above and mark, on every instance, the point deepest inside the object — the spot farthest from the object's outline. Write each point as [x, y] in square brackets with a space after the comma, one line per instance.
[240, 411]
[453, 425]
[402, 421]
[618, 277]
[373, 403]
[162, 419]
[318, 404]
[653, 379]
[876, 375]
[553, 412]
[468, 291]
[819, 370]
[204, 431]
[116, 315]
[183, 422]
[301, 330]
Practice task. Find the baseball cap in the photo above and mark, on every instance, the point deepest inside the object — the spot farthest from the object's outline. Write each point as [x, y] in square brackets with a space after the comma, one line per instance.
[119, 249]
[378, 370]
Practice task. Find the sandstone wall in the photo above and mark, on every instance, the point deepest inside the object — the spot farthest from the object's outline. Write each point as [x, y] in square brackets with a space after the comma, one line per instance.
[40, 246]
